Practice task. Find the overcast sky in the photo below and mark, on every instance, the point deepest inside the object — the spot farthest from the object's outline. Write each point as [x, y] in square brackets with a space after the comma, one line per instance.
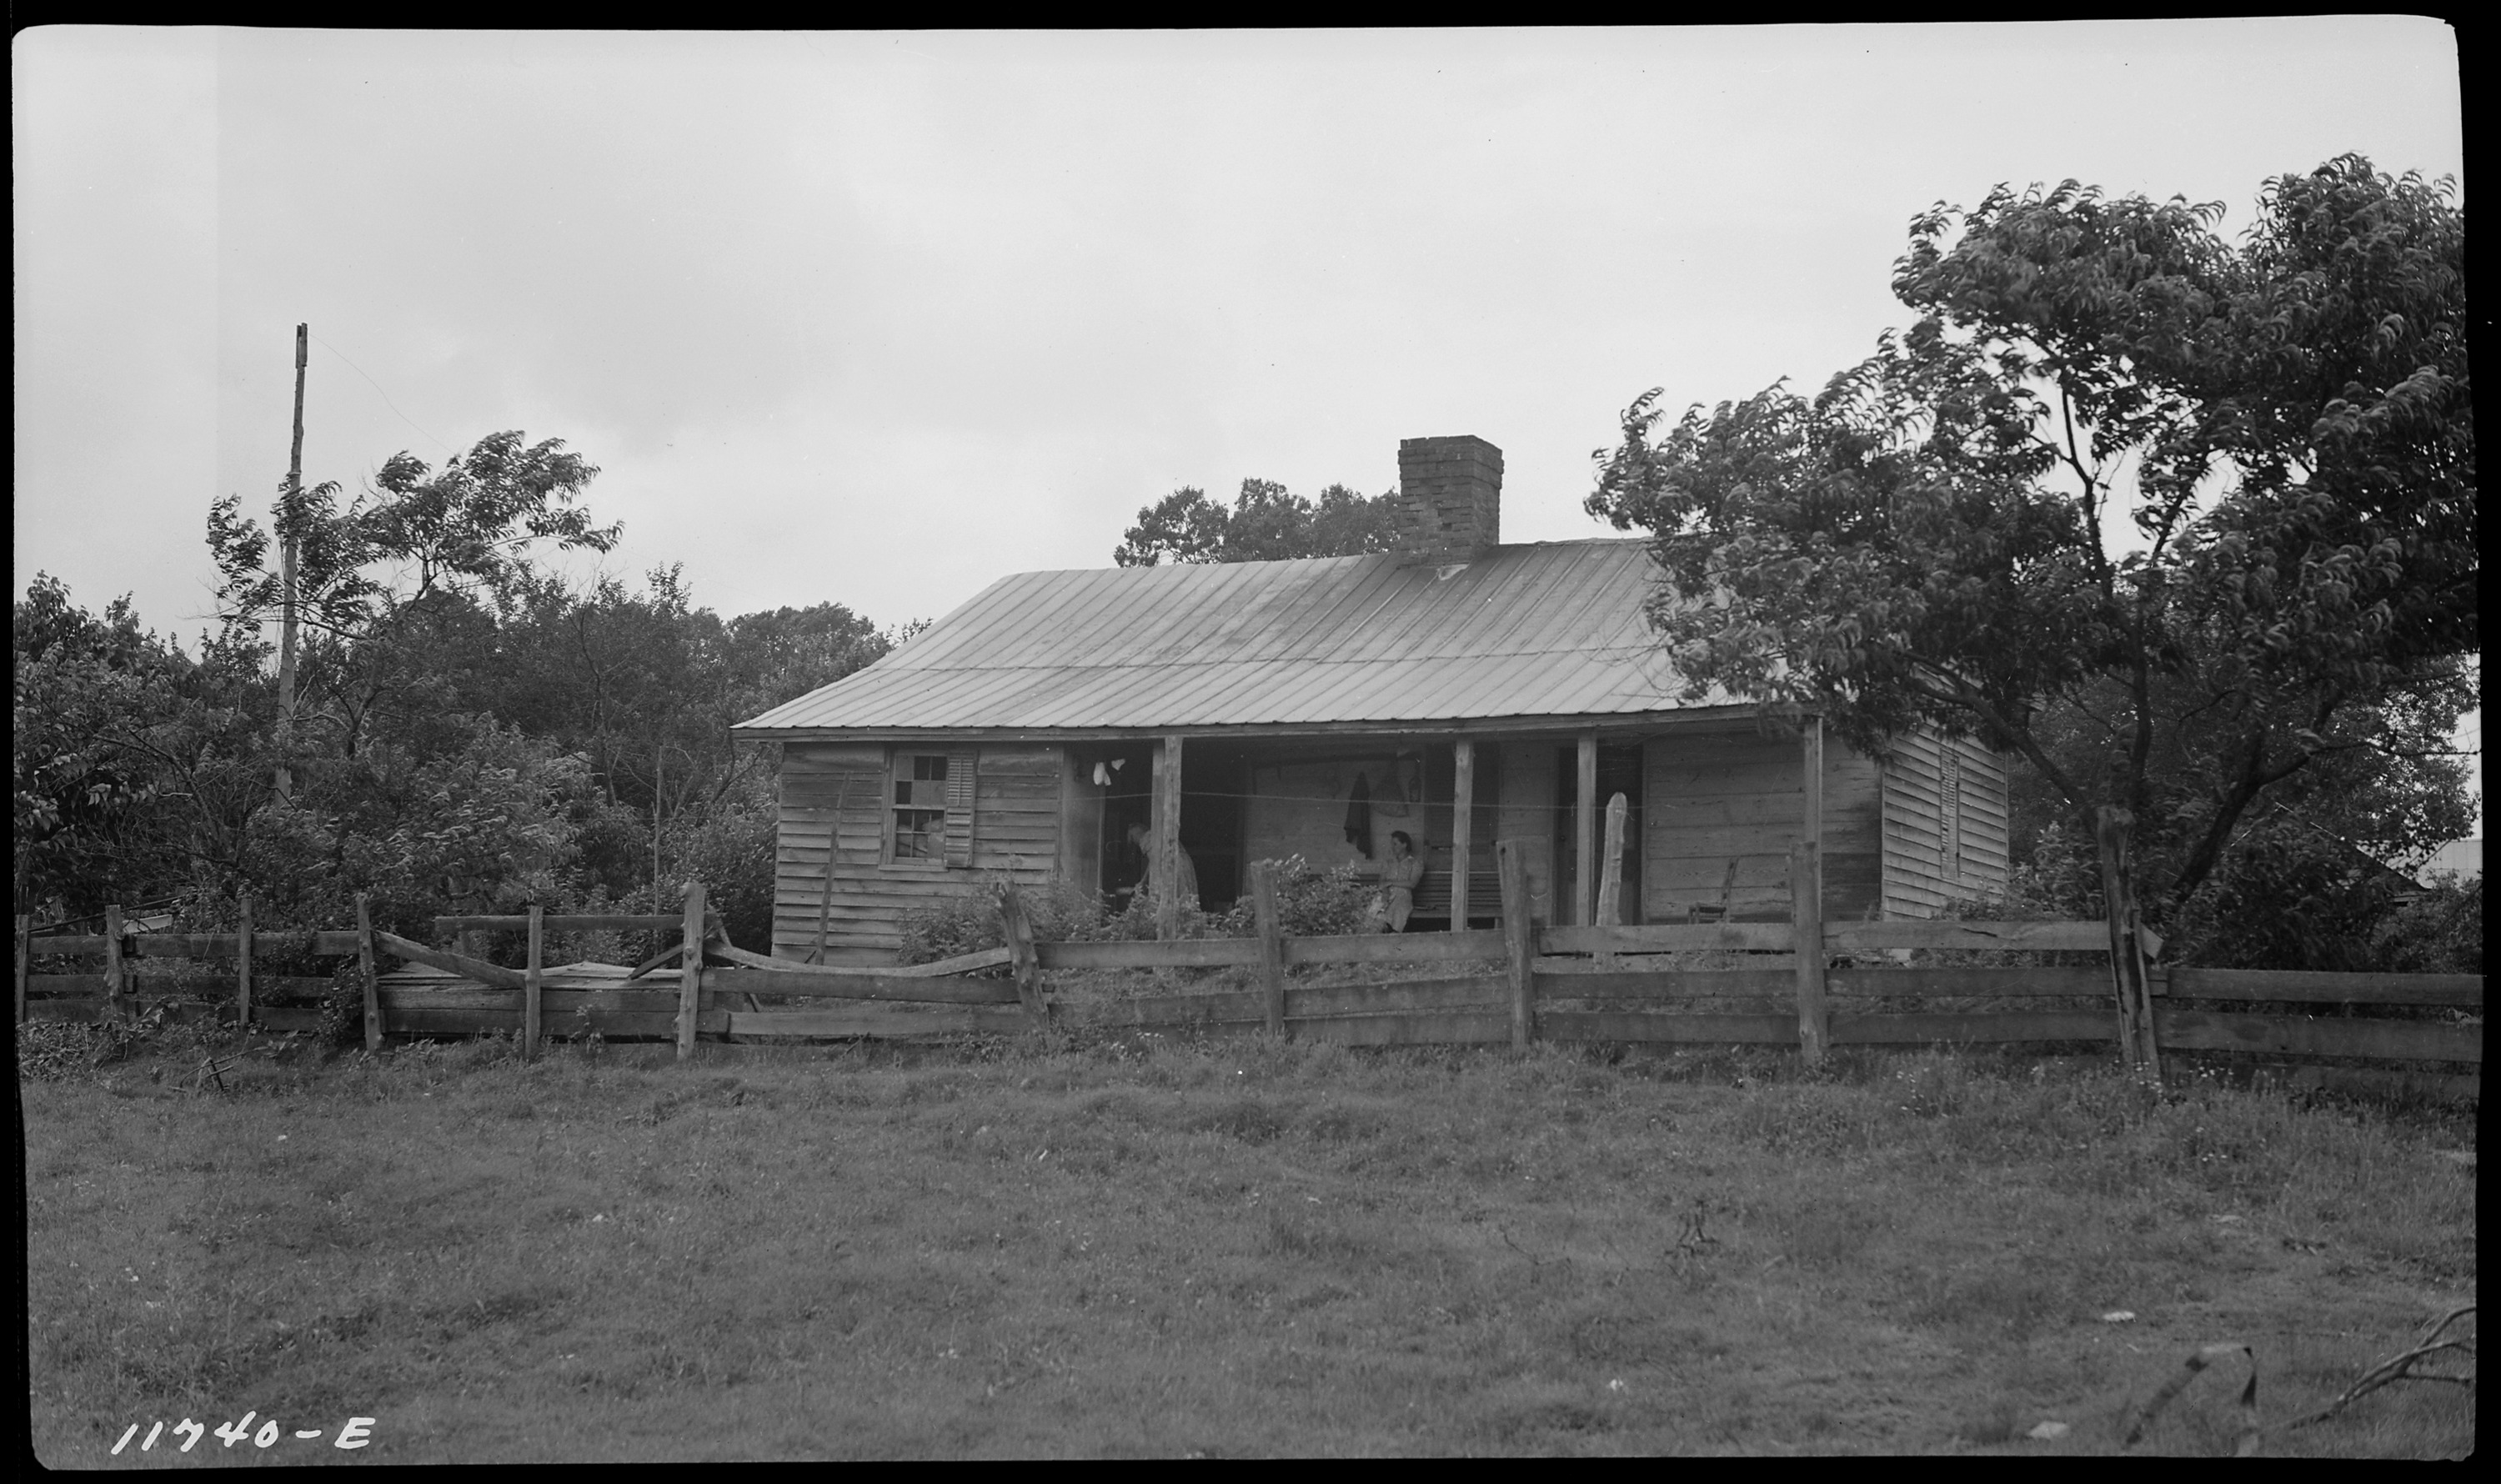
[881, 318]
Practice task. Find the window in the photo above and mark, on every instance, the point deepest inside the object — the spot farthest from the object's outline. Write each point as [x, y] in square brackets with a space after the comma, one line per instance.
[920, 807]
[930, 817]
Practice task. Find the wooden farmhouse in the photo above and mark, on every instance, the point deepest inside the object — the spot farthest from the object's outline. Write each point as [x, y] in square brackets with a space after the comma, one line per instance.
[1459, 689]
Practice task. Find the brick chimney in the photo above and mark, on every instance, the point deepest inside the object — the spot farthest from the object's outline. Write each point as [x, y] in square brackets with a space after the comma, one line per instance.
[1450, 496]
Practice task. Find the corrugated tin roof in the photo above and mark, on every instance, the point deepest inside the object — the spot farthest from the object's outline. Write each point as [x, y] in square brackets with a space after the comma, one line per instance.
[1549, 629]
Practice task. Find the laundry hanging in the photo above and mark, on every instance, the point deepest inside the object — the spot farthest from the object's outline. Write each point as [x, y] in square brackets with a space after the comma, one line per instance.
[1358, 814]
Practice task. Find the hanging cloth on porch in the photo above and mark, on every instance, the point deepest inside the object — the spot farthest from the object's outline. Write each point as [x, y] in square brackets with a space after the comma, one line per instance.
[1358, 814]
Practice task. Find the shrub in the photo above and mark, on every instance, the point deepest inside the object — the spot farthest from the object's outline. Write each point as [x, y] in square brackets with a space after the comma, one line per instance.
[1309, 902]
[968, 922]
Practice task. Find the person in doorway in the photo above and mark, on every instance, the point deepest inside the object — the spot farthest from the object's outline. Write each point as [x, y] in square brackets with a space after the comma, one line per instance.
[1182, 867]
[1400, 875]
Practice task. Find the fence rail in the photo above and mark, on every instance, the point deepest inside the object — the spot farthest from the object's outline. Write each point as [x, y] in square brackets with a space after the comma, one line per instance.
[1522, 982]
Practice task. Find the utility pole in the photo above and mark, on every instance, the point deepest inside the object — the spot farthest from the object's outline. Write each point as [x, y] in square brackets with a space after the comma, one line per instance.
[287, 581]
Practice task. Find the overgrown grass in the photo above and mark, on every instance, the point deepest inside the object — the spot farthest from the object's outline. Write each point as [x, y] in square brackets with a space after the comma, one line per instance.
[1141, 1247]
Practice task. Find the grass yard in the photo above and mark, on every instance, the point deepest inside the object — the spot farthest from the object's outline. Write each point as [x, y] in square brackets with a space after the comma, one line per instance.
[1140, 1247]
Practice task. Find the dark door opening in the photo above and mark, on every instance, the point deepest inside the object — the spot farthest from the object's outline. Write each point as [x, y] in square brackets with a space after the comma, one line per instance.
[1619, 771]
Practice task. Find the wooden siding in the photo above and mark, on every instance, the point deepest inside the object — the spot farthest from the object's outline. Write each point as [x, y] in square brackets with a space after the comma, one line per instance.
[1720, 811]
[1013, 833]
[1945, 824]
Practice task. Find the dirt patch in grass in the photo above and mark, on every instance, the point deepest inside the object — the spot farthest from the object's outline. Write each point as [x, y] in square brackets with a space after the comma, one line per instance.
[1149, 1247]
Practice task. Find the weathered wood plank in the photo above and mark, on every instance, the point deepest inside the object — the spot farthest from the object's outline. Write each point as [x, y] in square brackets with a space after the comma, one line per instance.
[1487, 992]
[2326, 987]
[451, 963]
[880, 1020]
[72, 986]
[1017, 928]
[534, 986]
[117, 981]
[962, 964]
[555, 1005]
[1272, 946]
[597, 921]
[2084, 937]
[693, 928]
[1806, 910]
[1859, 1029]
[850, 984]
[1668, 985]
[242, 958]
[2085, 981]
[265, 943]
[366, 940]
[609, 1024]
[1392, 948]
[1669, 937]
[2318, 1036]
[1199, 953]
[1519, 940]
[1660, 964]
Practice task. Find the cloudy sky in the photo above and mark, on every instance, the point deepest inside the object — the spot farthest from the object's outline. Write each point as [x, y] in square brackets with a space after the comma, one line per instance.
[880, 317]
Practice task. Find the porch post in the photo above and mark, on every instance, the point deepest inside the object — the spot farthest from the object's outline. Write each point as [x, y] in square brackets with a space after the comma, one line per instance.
[1585, 859]
[1166, 872]
[1464, 800]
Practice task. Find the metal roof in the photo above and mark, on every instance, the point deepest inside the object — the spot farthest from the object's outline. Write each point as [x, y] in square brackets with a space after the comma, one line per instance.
[1552, 628]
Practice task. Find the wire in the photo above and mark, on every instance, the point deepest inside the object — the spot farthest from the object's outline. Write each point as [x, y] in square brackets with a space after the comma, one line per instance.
[378, 392]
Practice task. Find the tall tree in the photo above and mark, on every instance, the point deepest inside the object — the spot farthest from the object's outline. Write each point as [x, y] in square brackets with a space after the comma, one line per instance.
[1267, 523]
[2214, 503]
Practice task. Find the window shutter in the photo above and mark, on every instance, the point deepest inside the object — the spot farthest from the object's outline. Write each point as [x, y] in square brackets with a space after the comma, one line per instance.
[960, 807]
[1950, 808]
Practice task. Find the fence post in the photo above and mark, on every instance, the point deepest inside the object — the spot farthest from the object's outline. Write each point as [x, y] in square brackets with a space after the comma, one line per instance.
[115, 976]
[1806, 916]
[365, 972]
[1519, 940]
[243, 963]
[533, 982]
[1272, 945]
[690, 971]
[2112, 826]
[1017, 928]
[1165, 847]
[1585, 835]
[25, 954]
[1611, 875]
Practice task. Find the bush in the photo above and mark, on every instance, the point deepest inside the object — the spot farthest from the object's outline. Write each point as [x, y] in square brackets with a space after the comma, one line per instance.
[1310, 903]
[968, 922]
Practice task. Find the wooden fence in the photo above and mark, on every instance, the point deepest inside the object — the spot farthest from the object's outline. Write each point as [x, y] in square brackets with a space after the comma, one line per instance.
[1515, 985]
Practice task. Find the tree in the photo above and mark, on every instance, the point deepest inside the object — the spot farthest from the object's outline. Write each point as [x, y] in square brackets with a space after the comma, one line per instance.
[445, 544]
[2178, 521]
[1266, 523]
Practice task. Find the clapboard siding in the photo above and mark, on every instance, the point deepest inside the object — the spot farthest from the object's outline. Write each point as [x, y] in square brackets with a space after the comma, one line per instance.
[1945, 827]
[1721, 810]
[835, 793]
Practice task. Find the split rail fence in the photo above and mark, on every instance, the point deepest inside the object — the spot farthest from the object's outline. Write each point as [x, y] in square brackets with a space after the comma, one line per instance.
[1521, 983]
